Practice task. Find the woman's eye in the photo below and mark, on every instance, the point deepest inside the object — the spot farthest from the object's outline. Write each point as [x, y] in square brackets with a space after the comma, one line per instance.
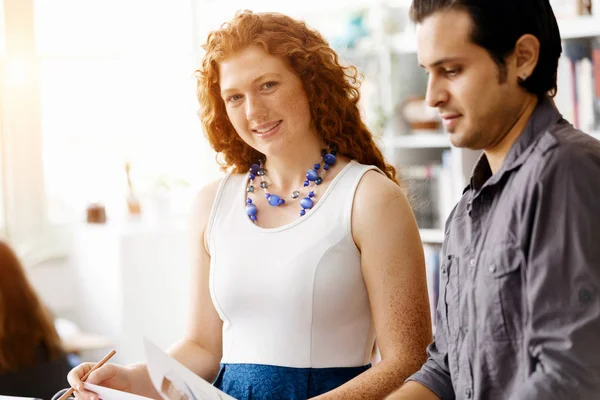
[234, 98]
[269, 85]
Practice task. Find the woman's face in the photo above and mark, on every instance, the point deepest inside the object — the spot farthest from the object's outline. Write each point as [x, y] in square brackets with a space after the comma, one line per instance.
[265, 101]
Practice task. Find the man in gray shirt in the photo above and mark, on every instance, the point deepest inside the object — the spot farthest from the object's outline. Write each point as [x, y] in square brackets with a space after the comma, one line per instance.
[518, 315]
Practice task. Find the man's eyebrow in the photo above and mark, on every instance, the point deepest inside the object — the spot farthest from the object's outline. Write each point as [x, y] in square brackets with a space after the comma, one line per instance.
[258, 78]
[445, 60]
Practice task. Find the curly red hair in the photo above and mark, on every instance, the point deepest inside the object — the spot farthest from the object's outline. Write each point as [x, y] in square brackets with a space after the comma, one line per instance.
[332, 89]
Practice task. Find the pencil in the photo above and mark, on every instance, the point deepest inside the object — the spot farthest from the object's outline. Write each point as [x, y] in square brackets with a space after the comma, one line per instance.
[95, 367]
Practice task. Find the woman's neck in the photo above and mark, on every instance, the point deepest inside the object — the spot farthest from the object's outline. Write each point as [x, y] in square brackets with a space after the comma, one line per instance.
[288, 173]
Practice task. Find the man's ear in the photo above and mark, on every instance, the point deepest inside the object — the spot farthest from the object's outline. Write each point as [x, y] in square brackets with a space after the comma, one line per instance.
[526, 55]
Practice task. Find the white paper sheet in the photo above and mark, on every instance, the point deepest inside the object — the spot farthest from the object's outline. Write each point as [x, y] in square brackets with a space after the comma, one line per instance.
[110, 394]
[161, 365]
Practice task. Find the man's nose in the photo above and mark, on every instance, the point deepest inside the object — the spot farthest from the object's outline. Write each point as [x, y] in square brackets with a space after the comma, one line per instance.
[436, 94]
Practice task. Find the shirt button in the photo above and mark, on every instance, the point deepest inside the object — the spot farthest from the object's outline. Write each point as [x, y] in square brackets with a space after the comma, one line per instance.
[492, 268]
[472, 262]
[468, 393]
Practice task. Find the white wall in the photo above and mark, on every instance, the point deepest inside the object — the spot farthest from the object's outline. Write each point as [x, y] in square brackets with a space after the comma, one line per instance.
[123, 282]
[55, 283]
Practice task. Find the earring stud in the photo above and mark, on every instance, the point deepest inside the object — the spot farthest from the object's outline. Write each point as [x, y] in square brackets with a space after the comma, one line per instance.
[524, 76]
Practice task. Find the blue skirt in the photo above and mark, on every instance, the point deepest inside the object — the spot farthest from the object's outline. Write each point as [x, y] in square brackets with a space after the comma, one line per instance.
[270, 382]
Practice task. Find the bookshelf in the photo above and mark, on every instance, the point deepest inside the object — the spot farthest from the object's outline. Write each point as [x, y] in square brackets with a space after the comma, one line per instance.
[578, 96]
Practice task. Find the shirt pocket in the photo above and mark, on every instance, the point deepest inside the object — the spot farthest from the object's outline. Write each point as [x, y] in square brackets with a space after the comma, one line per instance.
[501, 293]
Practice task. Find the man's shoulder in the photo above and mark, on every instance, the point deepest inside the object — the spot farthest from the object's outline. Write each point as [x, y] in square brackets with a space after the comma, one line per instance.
[569, 149]
[569, 140]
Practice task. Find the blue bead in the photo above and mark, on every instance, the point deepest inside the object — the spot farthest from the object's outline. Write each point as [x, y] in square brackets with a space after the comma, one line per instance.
[302, 212]
[311, 194]
[251, 209]
[311, 175]
[249, 201]
[254, 168]
[326, 167]
[306, 203]
[267, 195]
[252, 176]
[274, 200]
[319, 180]
[329, 159]
[317, 166]
[305, 183]
[281, 202]
[253, 217]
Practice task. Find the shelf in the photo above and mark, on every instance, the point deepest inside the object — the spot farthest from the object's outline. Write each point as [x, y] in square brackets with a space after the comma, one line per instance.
[579, 27]
[435, 236]
[418, 141]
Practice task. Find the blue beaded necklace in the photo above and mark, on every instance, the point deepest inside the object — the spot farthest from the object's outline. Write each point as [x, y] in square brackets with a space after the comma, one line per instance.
[313, 180]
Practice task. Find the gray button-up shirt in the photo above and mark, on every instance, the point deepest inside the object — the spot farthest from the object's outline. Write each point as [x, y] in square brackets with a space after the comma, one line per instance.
[518, 315]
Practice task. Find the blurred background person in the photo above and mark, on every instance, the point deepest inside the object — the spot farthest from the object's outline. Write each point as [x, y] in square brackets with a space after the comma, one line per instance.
[32, 361]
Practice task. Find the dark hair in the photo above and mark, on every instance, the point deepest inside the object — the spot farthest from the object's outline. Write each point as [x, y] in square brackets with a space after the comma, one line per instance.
[25, 323]
[498, 25]
[332, 89]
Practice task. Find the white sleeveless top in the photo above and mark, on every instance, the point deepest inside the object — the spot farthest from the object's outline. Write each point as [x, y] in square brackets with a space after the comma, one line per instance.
[292, 296]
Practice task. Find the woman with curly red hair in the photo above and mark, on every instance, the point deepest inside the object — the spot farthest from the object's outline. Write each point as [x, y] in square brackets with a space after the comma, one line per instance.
[307, 250]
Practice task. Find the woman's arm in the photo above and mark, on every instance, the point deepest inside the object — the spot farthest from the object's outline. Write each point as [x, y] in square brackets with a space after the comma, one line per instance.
[385, 231]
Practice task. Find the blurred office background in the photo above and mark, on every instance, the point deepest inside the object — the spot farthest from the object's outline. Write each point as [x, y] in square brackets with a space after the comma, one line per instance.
[101, 149]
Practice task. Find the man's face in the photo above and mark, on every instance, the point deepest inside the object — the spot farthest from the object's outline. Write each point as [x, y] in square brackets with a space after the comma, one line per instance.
[477, 105]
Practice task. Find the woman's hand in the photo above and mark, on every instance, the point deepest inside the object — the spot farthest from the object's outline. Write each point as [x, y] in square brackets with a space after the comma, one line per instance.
[112, 376]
